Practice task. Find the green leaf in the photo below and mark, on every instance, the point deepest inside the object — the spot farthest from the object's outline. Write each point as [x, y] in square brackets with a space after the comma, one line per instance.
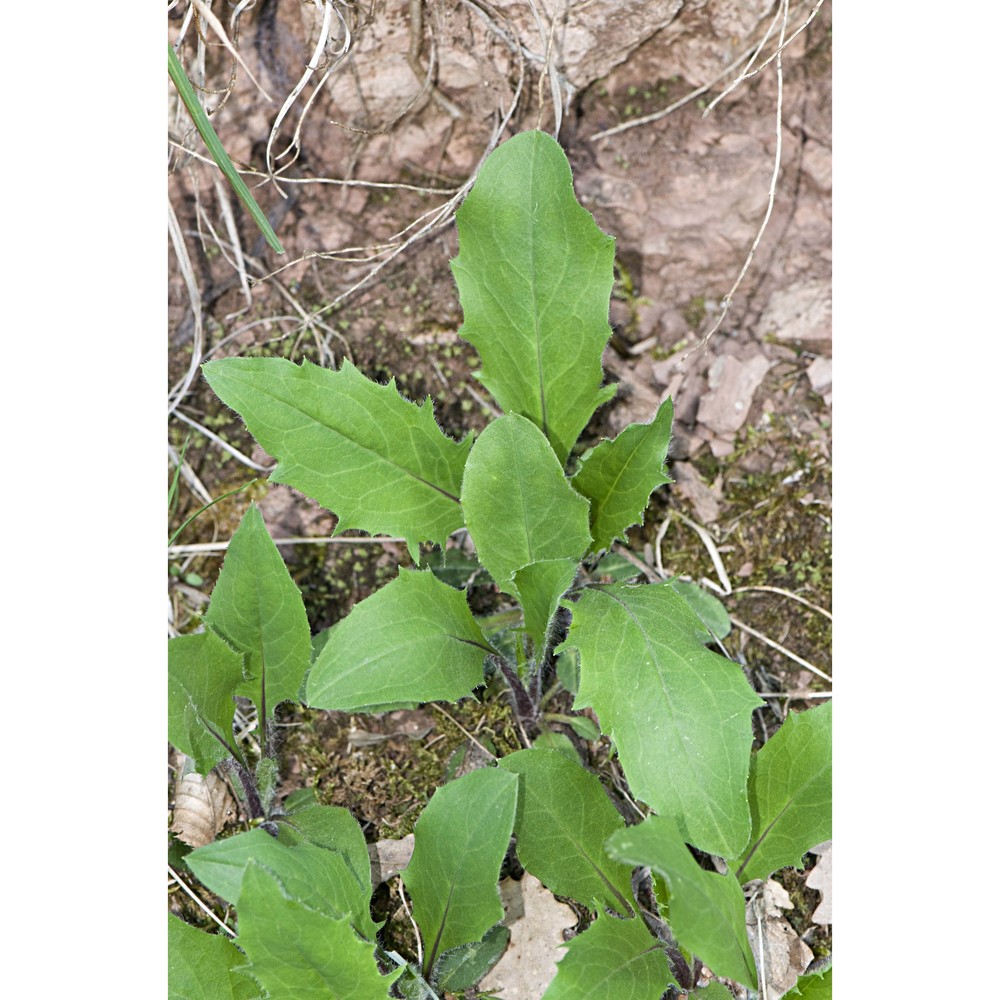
[618, 476]
[414, 640]
[713, 991]
[303, 953]
[464, 966]
[456, 569]
[203, 674]
[258, 610]
[547, 739]
[709, 609]
[459, 844]
[612, 958]
[539, 587]
[378, 461]
[201, 966]
[818, 986]
[313, 876]
[791, 789]
[707, 910]
[330, 827]
[519, 507]
[678, 713]
[615, 566]
[534, 277]
[564, 816]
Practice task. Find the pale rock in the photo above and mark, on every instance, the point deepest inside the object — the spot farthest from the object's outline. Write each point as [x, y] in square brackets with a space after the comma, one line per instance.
[731, 384]
[820, 374]
[802, 311]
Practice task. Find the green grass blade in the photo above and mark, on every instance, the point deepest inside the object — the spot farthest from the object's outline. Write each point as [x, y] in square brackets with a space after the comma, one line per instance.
[174, 536]
[204, 126]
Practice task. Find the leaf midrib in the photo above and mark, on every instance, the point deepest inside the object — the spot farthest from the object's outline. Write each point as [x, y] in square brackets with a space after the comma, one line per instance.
[362, 447]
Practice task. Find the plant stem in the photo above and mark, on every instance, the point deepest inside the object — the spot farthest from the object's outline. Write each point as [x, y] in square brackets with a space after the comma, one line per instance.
[526, 709]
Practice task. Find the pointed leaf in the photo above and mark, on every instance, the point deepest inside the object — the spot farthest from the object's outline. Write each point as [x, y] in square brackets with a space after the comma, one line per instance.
[203, 674]
[258, 609]
[707, 910]
[706, 606]
[534, 276]
[519, 507]
[378, 461]
[563, 819]
[713, 991]
[818, 986]
[330, 827]
[539, 587]
[791, 789]
[317, 878]
[414, 640]
[459, 844]
[612, 958]
[303, 953]
[464, 966]
[618, 476]
[679, 714]
[201, 966]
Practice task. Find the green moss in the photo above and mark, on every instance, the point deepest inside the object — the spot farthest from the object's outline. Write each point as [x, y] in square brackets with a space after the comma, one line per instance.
[694, 311]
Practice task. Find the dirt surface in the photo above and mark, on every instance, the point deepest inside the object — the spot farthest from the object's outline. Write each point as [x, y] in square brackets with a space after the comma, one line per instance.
[385, 136]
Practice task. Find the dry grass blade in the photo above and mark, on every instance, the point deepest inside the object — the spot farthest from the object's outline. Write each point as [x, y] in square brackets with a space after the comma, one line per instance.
[179, 391]
[200, 903]
[713, 551]
[213, 22]
[203, 548]
[234, 237]
[727, 300]
[781, 649]
[224, 445]
[785, 593]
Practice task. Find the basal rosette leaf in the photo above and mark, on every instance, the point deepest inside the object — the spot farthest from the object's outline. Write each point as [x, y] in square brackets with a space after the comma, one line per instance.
[378, 461]
[539, 588]
[313, 876]
[414, 640]
[258, 609]
[618, 476]
[299, 952]
[459, 844]
[519, 507]
[464, 966]
[203, 674]
[791, 793]
[534, 276]
[331, 827]
[563, 819]
[678, 713]
[616, 959]
[203, 966]
[707, 910]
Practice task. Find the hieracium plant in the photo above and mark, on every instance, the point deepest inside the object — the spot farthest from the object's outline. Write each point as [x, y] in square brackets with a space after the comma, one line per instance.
[534, 276]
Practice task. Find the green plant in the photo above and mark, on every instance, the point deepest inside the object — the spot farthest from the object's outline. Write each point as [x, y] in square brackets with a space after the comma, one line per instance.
[534, 275]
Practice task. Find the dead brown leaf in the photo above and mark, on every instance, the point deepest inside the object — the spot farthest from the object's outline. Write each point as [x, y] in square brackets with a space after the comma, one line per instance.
[780, 955]
[536, 920]
[821, 879]
[390, 857]
[202, 807]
